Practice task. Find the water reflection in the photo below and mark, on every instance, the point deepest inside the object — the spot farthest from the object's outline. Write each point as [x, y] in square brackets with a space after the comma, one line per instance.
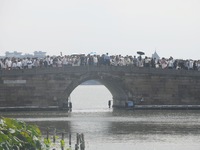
[179, 129]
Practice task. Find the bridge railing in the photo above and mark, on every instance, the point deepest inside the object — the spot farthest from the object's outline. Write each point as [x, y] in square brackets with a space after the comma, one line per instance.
[93, 69]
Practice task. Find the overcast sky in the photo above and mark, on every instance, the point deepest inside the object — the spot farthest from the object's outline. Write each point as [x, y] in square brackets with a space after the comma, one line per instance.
[172, 27]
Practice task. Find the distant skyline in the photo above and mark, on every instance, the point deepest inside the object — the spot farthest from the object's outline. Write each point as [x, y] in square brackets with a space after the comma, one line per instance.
[171, 27]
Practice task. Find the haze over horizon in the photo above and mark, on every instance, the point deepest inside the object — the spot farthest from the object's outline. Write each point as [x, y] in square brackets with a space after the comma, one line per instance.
[115, 26]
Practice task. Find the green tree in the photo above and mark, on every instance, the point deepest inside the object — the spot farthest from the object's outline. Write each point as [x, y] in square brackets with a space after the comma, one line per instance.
[17, 135]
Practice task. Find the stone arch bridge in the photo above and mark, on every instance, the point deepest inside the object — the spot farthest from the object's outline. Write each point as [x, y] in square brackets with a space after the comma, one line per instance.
[50, 87]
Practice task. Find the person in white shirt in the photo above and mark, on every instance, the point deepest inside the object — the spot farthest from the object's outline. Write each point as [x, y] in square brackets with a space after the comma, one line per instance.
[19, 64]
[14, 65]
[95, 60]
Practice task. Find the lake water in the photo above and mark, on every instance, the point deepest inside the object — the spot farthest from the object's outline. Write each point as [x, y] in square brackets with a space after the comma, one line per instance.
[107, 129]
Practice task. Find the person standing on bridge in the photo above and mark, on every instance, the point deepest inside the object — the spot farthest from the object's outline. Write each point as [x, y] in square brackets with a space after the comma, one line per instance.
[109, 103]
[107, 59]
[70, 106]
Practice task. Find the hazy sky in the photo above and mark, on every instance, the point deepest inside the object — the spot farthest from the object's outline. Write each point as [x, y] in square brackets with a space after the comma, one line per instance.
[172, 27]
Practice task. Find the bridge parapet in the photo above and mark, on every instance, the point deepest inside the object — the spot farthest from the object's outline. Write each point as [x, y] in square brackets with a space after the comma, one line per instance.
[109, 69]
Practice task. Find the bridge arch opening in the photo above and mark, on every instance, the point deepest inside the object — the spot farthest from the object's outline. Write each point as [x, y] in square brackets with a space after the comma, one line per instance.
[113, 84]
[90, 95]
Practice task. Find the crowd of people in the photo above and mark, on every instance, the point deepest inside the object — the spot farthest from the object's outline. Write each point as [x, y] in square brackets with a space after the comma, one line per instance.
[98, 60]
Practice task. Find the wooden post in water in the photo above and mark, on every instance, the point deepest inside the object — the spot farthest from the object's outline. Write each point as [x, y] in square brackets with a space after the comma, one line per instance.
[62, 141]
[70, 139]
[77, 138]
[82, 145]
[76, 146]
[54, 136]
[47, 133]
[77, 142]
